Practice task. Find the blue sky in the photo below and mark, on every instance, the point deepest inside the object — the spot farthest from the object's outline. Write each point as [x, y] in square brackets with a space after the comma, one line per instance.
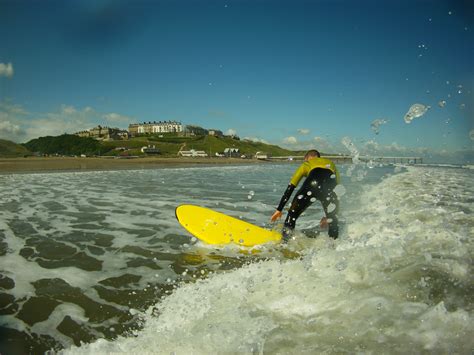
[299, 74]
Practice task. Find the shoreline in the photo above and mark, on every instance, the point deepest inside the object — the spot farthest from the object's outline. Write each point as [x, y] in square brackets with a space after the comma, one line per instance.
[76, 164]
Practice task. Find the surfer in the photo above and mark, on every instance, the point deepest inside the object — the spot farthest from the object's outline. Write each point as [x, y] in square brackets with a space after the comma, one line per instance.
[321, 179]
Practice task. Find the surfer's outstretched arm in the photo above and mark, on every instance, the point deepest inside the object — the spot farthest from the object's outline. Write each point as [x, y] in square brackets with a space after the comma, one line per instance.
[286, 196]
[284, 199]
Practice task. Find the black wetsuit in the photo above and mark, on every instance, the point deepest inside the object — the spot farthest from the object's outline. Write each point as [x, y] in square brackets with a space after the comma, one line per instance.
[321, 179]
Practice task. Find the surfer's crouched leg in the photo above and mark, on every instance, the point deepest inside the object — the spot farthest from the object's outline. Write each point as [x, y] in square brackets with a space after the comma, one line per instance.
[333, 231]
[289, 226]
[286, 233]
[331, 208]
[290, 222]
[322, 185]
[301, 201]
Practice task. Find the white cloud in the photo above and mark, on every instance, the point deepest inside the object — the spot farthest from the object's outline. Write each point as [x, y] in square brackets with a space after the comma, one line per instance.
[231, 132]
[117, 118]
[318, 139]
[319, 143]
[303, 131]
[10, 120]
[8, 107]
[53, 127]
[7, 128]
[69, 119]
[68, 110]
[465, 156]
[372, 147]
[6, 70]
[256, 140]
[323, 145]
[290, 140]
[393, 148]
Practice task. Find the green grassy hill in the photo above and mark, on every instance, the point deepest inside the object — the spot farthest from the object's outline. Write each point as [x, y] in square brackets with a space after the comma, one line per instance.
[11, 150]
[170, 146]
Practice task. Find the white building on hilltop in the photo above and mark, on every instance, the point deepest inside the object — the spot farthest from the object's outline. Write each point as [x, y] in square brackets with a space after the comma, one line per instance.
[155, 127]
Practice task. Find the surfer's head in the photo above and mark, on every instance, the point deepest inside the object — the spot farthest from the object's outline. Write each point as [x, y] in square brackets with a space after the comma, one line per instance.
[311, 154]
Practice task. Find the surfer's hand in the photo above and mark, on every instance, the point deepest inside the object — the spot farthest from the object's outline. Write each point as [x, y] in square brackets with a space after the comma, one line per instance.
[276, 215]
[324, 223]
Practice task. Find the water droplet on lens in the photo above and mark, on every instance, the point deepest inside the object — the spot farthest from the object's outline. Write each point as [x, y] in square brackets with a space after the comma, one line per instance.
[415, 111]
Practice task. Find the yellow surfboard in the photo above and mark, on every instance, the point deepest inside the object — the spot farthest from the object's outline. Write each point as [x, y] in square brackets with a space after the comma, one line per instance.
[217, 228]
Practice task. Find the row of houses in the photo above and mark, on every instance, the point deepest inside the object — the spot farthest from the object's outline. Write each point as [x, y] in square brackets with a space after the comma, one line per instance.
[136, 129]
[155, 127]
[170, 127]
[228, 152]
[104, 133]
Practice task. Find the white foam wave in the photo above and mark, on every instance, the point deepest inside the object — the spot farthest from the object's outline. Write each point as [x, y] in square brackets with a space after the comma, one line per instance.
[398, 281]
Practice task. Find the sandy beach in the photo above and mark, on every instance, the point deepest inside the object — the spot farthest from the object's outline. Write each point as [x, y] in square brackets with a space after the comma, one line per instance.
[51, 164]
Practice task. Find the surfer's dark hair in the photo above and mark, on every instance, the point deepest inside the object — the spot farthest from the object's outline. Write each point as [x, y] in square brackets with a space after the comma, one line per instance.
[312, 153]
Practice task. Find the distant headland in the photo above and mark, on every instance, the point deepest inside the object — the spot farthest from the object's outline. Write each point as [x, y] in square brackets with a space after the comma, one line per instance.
[150, 144]
[166, 139]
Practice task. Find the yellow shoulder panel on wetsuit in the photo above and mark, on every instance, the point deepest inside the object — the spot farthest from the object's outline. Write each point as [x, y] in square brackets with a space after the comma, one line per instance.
[311, 164]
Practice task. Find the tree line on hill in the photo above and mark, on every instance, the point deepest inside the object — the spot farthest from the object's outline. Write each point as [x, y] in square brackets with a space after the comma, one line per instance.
[66, 144]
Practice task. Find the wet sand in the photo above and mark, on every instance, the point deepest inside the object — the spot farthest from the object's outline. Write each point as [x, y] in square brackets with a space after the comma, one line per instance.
[51, 164]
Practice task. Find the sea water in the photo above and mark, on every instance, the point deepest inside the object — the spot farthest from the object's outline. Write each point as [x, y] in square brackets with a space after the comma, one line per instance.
[95, 262]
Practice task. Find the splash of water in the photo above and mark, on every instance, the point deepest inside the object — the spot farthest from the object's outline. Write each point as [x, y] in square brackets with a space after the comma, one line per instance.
[415, 111]
[347, 142]
[376, 124]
